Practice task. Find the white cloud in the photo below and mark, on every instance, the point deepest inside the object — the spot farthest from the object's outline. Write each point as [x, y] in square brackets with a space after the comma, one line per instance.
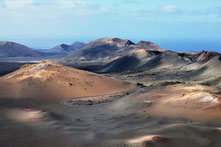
[158, 11]
[37, 8]
[43, 17]
[17, 3]
[169, 9]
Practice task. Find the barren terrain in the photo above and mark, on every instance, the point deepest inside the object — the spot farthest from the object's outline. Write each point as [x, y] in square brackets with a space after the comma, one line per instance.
[162, 114]
[143, 96]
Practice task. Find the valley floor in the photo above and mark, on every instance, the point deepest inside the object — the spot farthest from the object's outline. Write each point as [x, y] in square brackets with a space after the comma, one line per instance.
[131, 120]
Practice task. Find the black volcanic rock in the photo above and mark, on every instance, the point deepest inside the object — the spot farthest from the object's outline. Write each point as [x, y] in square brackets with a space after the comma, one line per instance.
[63, 48]
[11, 49]
[78, 45]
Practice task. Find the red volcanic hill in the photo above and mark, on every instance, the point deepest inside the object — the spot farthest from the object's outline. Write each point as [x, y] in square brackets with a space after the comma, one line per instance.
[50, 82]
[11, 49]
[150, 46]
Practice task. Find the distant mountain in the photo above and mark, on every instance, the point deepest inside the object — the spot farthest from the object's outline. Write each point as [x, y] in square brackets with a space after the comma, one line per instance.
[11, 49]
[107, 49]
[78, 45]
[63, 48]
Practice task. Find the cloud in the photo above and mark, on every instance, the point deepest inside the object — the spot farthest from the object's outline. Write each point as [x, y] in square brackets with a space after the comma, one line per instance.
[130, 1]
[215, 10]
[169, 9]
[37, 8]
[48, 18]
[158, 11]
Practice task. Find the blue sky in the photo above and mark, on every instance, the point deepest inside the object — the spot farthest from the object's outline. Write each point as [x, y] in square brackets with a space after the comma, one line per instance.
[45, 23]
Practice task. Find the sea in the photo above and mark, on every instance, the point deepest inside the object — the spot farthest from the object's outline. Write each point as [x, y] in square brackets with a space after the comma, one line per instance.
[186, 45]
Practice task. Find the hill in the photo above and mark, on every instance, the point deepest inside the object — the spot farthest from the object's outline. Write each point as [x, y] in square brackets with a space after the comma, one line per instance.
[78, 45]
[208, 72]
[108, 49]
[63, 48]
[102, 49]
[131, 61]
[205, 56]
[150, 46]
[11, 49]
[167, 59]
[144, 60]
[50, 82]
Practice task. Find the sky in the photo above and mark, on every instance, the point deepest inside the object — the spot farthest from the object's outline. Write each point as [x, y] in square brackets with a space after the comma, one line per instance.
[170, 23]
